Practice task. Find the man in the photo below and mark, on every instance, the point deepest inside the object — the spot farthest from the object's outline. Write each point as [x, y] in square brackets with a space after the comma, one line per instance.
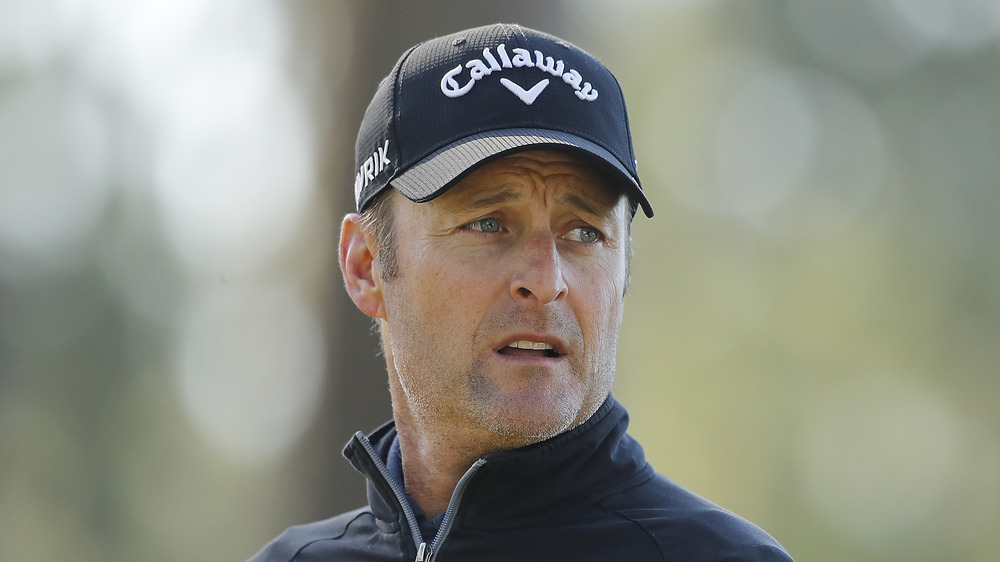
[496, 183]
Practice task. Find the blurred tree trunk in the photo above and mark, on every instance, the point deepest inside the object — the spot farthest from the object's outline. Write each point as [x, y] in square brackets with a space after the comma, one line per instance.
[340, 52]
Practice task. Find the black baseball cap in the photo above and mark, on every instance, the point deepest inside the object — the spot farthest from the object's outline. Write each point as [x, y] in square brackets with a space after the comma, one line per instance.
[454, 103]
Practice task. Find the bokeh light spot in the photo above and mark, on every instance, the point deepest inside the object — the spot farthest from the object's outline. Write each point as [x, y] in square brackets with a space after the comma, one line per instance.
[53, 169]
[881, 459]
[250, 369]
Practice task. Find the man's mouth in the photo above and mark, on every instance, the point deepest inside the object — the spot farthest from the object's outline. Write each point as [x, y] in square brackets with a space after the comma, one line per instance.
[529, 349]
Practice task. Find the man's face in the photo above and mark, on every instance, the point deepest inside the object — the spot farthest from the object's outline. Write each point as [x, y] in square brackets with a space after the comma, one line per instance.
[503, 319]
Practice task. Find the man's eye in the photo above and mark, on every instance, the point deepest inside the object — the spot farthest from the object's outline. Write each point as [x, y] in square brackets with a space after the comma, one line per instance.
[488, 225]
[586, 234]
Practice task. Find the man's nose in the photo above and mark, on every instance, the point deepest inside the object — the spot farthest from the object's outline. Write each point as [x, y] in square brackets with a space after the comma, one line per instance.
[539, 275]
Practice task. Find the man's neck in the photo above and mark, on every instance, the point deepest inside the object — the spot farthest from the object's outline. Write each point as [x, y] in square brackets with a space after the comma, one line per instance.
[435, 454]
[431, 473]
[434, 459]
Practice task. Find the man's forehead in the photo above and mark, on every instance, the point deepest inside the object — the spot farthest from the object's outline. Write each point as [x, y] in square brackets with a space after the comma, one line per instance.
[572, 179]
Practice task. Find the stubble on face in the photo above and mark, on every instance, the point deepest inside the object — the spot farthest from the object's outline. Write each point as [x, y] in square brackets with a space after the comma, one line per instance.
[466, 394]
[438, 395]
[507, 415]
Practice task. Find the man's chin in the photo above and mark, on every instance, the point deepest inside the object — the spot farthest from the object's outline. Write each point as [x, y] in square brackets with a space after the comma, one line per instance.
[529, 406]
[522, 422]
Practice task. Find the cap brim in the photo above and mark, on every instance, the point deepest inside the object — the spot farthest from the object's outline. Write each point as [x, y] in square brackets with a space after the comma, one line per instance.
[438, 172]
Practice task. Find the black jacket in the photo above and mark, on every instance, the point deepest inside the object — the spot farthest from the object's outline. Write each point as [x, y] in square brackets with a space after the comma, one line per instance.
[587, 494]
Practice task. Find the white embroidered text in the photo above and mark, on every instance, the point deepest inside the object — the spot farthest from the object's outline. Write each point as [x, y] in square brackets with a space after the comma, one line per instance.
[371, 168]
[517, 58]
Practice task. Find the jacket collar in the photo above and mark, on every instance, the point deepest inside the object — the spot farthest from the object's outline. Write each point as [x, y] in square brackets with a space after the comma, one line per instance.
[525, 485]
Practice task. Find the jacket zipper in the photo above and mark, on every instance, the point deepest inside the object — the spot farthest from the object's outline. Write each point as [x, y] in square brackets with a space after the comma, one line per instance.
[449, 513]
[425, 552]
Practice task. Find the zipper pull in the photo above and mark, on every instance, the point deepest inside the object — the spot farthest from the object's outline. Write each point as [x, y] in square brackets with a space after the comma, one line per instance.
[423, 553]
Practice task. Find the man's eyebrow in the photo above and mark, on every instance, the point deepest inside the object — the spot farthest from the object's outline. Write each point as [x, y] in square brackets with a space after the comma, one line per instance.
[574, 200]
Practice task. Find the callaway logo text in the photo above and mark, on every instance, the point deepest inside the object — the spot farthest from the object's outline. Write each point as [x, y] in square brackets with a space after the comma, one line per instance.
[479, 69]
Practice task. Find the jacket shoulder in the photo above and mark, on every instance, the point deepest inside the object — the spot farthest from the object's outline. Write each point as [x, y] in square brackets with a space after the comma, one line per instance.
[686, 526]
[294, 540]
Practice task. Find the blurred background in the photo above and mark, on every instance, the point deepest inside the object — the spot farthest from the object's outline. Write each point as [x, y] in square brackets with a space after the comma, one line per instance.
[812, 338]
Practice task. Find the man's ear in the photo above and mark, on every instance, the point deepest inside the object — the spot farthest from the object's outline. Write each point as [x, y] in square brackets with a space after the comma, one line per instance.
[357, 263]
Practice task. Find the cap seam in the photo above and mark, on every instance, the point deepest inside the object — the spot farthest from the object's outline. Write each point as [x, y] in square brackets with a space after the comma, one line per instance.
[522, 43]
[397, 113]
